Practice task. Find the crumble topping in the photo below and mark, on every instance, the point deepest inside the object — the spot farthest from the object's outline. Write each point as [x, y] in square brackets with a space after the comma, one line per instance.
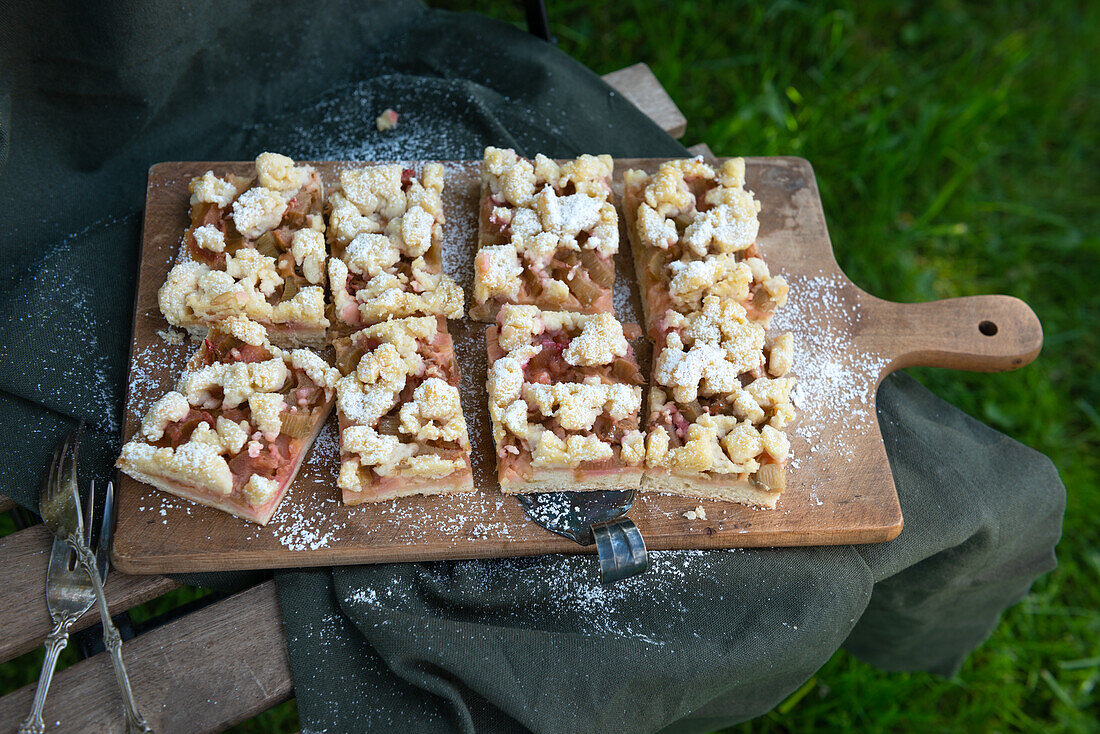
[231, 436]
[315, 367]
[247, 331]
[192, 463]
[633, 452]
[723, 229]
[551, 451]
[699, 513]
[579, 404]
[267, 411]
[656, 230]
[278, 172]
[498, 272]
[372, 390]
[709, 366]
[170, 408]
[237, 380]
[375, 189]
[210, 238]
[386, 121]
[416, 228]
[434, 413]
[721, 399]
[182, 281]
[209, 283]
[386, 229]
[346, 221]
[570, 408]
[260, 490]
[430, 466]
[600, 341]
[209, 189]
[536, 220]
[306, 307]
[308, 250]
[258, 210]
[508, 175]
[721, 275]
[781, 355]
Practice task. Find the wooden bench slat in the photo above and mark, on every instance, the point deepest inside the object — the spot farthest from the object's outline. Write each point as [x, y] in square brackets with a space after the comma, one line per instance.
[639, 85]
[701, 149]
[6, 503]
[213, 668]
[24, 619]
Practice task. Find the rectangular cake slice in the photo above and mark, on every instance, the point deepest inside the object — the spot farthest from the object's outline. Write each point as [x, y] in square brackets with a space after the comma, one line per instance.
[402, 431]
[385, 230]
[547, 234]
[564, 395]
[718, 408]
[256, 248]
[693, 233]
[720, 403]
[234, 432]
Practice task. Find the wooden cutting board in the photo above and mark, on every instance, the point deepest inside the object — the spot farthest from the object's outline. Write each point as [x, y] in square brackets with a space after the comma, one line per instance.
[840, 488]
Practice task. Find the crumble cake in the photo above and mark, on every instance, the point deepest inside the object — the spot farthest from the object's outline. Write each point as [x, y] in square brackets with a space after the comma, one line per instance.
[719, 403]
[233, 433]
[255, 247]
[402, 431]
[693, 233]
[564, 395]
[547, 234]
[385, 228]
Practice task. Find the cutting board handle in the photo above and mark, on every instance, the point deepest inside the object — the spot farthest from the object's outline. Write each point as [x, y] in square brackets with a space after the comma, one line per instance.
[976, 333]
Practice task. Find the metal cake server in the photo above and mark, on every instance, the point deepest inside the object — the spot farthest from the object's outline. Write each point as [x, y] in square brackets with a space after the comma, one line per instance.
[594, 517]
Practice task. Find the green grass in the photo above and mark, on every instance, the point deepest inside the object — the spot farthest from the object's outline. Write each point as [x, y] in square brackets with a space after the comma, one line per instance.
[956, 151]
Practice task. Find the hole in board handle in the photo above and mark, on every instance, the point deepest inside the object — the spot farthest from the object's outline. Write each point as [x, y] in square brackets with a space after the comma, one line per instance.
[988, 328]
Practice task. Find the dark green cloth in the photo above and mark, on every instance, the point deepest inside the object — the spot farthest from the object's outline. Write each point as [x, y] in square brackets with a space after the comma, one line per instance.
[703, 639]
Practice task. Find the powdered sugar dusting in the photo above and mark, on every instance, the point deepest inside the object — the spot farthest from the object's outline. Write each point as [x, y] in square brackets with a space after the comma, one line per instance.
[836, 381]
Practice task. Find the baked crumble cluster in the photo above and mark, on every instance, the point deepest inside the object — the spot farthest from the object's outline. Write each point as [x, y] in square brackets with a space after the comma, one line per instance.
[234, 431]
[401, 425]
[255, 248]
[385, 234]
[547, 234]
[720, 398]
[564, 395]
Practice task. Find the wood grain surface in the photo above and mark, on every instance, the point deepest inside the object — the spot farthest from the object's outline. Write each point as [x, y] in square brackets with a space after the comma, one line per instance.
[203, 672]
[840, 489]
[26, 619]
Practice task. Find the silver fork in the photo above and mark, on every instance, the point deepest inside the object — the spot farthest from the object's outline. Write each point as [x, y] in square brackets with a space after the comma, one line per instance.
[68, 595]
[60, 510]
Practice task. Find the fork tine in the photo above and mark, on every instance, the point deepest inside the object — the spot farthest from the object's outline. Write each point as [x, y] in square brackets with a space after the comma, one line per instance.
[49, 485]
[67, 482]
[89, 512]
[106, 530]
